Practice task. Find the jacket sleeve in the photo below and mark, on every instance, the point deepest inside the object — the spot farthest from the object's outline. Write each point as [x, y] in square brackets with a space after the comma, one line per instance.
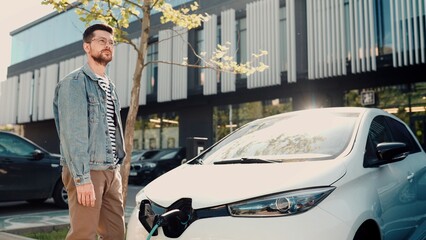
[72, 107]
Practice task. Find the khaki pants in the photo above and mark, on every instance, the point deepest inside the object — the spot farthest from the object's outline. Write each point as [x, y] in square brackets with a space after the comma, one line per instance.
[106, 219]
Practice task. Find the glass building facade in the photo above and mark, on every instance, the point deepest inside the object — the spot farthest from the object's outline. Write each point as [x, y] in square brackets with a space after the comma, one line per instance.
[324, 53]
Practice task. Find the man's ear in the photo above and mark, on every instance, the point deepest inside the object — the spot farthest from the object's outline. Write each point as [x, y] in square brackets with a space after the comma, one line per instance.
[86, 47]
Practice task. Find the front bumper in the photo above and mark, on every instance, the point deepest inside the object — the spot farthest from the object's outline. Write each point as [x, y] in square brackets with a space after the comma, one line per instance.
[314, 224]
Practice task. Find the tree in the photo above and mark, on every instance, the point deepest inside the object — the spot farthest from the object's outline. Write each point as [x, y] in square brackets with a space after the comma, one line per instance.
[118, 13]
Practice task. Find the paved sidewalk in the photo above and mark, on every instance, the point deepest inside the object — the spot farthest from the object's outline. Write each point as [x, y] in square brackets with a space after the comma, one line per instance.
[12, 226]
[32, 220]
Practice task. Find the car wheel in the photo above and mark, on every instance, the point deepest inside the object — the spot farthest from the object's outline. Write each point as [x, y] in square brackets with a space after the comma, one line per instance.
[60, 195]
[367, 231]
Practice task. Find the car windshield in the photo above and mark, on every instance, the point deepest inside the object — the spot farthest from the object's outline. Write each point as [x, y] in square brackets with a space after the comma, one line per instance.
[298, 136]
[143, 155]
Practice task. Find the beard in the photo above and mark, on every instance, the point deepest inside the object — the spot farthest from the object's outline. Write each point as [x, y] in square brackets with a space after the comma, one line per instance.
[103, 57]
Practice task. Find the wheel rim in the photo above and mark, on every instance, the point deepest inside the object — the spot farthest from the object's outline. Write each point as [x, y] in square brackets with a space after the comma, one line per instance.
[64, 195]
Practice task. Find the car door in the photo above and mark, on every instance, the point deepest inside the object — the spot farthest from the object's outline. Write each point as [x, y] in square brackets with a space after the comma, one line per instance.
[413, 194]
[390, 181]
[23, 173]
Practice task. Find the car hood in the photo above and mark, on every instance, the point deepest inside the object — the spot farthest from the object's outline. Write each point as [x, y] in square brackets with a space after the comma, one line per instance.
[213, 185]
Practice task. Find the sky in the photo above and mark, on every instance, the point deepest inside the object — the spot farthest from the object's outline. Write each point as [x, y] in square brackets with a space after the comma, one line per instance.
[16, 14]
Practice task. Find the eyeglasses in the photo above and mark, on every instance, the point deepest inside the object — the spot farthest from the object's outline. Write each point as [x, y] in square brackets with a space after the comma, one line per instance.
[103, 41]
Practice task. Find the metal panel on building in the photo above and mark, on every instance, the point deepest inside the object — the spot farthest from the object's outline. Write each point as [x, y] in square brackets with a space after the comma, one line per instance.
[263, 34]
[326, 39]
[36, 94]
[228, 36]
[210, 39]
[52, 72]
[8, 100]
[172, 52]
[179, 78]
[133, 55]
[291, 42]
[408, 33]
[25, 90]
[363, 48]
[164, 67]
[119, 74]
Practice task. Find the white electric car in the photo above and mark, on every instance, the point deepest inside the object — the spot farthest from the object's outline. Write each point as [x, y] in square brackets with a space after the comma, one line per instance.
[331, 174]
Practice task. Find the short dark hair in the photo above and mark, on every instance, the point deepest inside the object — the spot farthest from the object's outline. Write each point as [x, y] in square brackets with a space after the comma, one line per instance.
[88, 33]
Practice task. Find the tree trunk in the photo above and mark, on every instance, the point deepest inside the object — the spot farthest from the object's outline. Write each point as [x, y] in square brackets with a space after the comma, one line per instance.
[129, 130]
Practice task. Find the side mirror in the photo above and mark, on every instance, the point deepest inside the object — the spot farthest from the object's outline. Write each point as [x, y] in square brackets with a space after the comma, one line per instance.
[37, 154]
[390, 152]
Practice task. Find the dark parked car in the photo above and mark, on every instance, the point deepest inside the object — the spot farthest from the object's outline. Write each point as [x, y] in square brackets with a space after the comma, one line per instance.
[28, 172]
[140, 155]
[162, 162]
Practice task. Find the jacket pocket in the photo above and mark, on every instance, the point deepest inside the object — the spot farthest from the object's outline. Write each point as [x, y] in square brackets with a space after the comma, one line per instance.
[93, 108]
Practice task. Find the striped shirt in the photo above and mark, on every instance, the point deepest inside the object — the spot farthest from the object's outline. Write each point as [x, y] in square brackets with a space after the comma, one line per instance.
[104, 84]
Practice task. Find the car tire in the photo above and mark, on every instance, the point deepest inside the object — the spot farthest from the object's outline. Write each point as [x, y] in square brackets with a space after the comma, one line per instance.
[60, 195]
[367, 231]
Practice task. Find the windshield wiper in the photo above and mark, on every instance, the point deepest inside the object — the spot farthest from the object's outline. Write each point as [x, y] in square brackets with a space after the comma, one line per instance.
[245, 161]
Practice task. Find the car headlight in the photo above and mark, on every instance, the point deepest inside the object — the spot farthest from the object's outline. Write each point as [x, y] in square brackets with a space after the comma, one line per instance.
[283, 204]
[149, 165]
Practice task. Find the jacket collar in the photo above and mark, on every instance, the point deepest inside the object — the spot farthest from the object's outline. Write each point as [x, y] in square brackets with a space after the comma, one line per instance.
[88, 71]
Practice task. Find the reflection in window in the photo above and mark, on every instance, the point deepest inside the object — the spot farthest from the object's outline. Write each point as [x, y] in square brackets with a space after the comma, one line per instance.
[157, 131]
[241, 40]
[407, 102]
[39, 39]
[199, 45]
[383, 23]
[227, 118]
[12, 145]
[322, 136]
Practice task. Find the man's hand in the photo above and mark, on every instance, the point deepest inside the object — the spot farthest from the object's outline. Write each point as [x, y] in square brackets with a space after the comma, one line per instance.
[86, 195]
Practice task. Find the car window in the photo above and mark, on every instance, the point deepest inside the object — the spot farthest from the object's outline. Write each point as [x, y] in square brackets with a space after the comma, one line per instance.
[149, 154]
[169, 155]
[15, 146]
[377, 133]
[290, 137]
[386, 129]
[400, 133]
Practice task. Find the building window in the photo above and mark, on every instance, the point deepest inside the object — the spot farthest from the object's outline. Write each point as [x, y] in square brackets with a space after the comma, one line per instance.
[157, 131]
[152, 69]
[227, 118]
[383, 27]
[241, 40]
[406, 101]
[241, 43]
[199, 48]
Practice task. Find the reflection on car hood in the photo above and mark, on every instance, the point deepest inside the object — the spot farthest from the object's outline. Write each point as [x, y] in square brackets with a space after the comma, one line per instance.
[213, 185]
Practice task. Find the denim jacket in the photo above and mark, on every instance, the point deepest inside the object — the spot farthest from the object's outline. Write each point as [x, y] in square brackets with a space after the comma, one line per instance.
[79, 108]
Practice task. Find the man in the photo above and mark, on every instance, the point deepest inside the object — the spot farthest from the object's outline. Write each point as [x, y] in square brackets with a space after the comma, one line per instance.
[87, 118]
